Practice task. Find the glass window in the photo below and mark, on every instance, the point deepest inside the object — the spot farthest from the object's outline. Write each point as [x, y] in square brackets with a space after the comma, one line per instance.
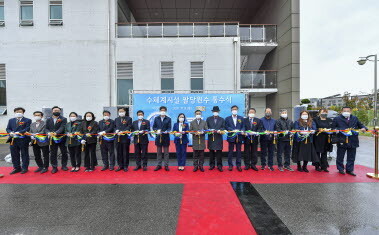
[197, 84]
[123, 87]
[3, 86]
[27, 12]
[55, 12]
[1, 13]
[167, 84]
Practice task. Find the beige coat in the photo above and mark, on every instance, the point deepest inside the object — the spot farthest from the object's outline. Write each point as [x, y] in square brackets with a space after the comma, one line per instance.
[196, 143]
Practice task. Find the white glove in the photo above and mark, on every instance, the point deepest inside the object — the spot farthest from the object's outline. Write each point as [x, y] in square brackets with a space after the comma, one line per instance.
[32, 137]
[83, 142]
[252, 133]
[117, 131]
[17, 133]
[141, 132]
[158, 132]
[303, 132]
[313, 132]
[102, 133]
[11, 134]
[286, 132]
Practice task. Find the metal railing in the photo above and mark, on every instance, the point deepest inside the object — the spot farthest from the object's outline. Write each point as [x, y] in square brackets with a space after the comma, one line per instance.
[252, 79]
[257, 33]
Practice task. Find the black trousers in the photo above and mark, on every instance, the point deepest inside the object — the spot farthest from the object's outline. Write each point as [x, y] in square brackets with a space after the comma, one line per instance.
[251, 153]
[198, 158]
[141, 151]
[41, 162]
[90, 156]
[323, 160]
[20, 150]
[215, 155]
[123, 154]
[107, 149]
[75, 155]
[284, 147]
[54, 154]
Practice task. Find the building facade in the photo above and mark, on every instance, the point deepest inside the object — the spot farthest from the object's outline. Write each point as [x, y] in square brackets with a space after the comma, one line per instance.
[86, 55]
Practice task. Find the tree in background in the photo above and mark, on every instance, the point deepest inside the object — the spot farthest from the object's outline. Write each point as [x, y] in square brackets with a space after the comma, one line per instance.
[305, 101]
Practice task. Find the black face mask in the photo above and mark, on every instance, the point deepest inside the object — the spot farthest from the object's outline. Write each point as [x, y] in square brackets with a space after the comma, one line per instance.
[324, 115]
[56, 114]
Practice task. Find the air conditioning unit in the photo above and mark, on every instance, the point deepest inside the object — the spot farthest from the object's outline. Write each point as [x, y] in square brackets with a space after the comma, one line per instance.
[2, 23]
[26, 23]
[56, 22]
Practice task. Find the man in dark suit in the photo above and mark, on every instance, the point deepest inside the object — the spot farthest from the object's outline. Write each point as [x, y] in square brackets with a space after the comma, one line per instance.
[267, 144]
[106, 125]
[123, 123]
[55, 126]
[234, 123]
[251, 123]
[141, 140]
[162, 124]
[16, 128]
[215, 140]
[39, 127]
[343, 122]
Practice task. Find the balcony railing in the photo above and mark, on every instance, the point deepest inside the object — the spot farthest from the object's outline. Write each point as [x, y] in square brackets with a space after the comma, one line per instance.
[255, 79]
[257, 33]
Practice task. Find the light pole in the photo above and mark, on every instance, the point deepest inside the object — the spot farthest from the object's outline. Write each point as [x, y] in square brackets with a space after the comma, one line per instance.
[363, 61]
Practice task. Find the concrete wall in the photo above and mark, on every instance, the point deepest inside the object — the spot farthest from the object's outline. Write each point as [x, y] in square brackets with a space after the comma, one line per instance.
[259, 103]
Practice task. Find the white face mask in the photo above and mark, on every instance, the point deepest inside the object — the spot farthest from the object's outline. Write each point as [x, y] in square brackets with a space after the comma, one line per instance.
[181, 119]
[89, 118]
[304, 117]
[121, 114]
[163, 113]
[198, 116]
[140, 117]
[346, 114]
[284, 115]
[234, 112]
[73, 119]
[18, 115]
[251, 115]
[37, 118]
[215, 114]
[106, 118]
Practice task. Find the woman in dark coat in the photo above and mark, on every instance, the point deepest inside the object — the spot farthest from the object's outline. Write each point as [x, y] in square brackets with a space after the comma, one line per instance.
[73, 127]
[322, 141]
[89, 128]
[181, 140]
[303, 149]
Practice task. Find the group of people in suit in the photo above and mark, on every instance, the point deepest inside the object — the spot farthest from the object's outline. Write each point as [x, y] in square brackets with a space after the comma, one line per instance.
[250, 132]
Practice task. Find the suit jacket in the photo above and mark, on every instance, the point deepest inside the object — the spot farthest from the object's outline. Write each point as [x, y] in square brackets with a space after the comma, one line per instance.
[41, 129]
[256, 126]
[123, 124]
[184, 136]
[229, 125]
[90, 128]
[107, 126]
[59, 126]
[215, 141]
[145, 126]
[342, 123]
[71, 128]
[163, 126]
[22, 127]
[196, 144]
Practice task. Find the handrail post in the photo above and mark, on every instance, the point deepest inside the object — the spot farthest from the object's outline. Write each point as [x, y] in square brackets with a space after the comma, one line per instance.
[263, 33]
[209, 30]
[147, 30]
[250, 33]
[162, 31]
[131, 30]
[178, 30]
[224, 29]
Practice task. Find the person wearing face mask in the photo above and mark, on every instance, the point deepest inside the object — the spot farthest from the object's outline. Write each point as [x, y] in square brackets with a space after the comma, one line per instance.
[141, 140]
[215, 139]
[106, 125]
[55, 126]
[253, 124]
[350, 144]
[162, 123]
[72, 128]
[19, 148]
[122, 123]
[303, 148]
[321, 140]
[89, 128]
[39, 127]
[181, 140]
[234, 123]
[197, 127]
[284, 124]
[267, 141]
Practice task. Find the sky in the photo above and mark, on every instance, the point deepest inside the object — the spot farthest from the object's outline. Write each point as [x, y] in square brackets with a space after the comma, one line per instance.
[333, 35]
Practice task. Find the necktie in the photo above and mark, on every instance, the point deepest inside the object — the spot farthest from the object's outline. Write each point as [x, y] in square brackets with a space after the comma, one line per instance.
[215, 119]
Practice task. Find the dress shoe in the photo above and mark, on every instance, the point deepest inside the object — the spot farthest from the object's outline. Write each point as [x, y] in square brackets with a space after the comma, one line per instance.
[254, 168]
[15, 171]
[137, 168]
[347, 172]
[87, 169]
[64, 168]
[144, 168]
[39, 169]
[126, 169]
[299, 169]
[119, 169]
[246, 168]
[220, 169]
[239, 168]
[325, 170]
[73, 169]
[211, 168]
[280, 168]
[271, 168]
[201, 168]
[54, 170]
[288, 168]
[157, 168]
[341, 172]
[111, 168]
[263, 168]
[230, 168]
[195, 169]
[318, 169]
[167, 168]
[305, 169]
[44, 170]
[104, 168]
[23, 171]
